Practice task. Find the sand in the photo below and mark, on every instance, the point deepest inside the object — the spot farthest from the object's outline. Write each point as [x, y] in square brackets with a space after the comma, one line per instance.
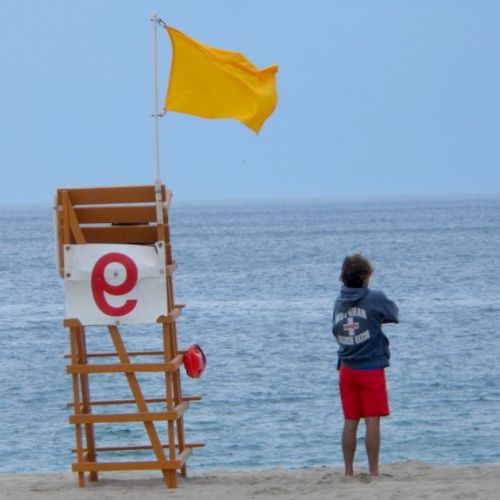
[403, 480]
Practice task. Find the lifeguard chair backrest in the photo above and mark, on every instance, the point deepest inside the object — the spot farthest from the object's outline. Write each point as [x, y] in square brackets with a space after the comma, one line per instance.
[122, 214]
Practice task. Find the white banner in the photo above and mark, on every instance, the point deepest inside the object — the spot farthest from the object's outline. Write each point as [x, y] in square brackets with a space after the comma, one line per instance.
[114, 284]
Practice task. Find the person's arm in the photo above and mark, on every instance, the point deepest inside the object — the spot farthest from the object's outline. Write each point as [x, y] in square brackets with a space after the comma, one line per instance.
[390, 311]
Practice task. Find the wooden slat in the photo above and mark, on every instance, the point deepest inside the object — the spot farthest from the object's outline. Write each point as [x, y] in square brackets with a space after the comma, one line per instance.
[116, 214]
[164, 318]
[115, 354]
[132, 401]
[119, 466]
[59, 233]
[140, 447]
[112, 402]
[91, 418]
[113, 194]
[120, 234]
[69, 213]
[126, 367]
[192, 398]
[63, 219]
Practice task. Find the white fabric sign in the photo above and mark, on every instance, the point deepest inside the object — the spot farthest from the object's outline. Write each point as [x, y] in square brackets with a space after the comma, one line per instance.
[115, 284]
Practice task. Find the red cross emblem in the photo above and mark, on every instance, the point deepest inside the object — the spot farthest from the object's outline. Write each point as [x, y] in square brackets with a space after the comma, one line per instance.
[350, 326]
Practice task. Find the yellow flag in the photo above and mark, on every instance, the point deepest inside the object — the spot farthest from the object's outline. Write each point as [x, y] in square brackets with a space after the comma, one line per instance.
[215, 83]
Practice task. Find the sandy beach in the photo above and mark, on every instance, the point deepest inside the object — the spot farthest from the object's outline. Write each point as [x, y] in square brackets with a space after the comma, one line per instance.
[403, 480]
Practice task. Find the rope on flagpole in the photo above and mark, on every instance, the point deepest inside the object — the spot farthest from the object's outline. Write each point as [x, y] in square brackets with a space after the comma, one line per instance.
[156, 116]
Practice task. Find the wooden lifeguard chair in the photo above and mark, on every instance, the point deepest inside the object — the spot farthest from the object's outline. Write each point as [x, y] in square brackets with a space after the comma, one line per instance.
[123, 216]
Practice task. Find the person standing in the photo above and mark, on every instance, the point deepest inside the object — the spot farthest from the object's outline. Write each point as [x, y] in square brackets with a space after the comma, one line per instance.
[363, 354]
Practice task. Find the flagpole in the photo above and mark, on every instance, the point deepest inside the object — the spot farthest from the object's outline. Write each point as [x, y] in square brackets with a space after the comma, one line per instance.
[158, 196]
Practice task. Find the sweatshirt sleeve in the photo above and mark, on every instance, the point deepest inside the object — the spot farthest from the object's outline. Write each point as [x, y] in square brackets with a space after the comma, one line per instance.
[389, 310]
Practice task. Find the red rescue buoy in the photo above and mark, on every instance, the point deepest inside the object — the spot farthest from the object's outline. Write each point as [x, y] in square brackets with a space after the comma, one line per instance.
[194, 361]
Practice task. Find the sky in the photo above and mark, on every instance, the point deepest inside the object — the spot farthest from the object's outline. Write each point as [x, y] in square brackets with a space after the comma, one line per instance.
[385, 98]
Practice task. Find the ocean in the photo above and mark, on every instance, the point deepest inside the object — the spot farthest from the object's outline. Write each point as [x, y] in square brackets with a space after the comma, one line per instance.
[259, 280]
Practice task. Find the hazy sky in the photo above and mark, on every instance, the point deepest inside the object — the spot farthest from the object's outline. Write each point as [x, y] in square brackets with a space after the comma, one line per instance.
[374, 98]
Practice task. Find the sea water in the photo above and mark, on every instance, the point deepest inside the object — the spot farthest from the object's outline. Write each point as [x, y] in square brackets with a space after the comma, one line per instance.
[259, 280]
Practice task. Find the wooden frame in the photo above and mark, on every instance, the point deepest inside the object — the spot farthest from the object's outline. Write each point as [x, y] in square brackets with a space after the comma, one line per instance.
[124, 215]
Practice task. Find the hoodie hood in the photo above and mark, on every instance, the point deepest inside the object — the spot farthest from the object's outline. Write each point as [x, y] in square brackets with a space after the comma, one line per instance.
[350, 296]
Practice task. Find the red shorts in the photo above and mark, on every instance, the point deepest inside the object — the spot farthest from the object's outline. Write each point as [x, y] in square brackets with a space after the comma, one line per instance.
[363, 393]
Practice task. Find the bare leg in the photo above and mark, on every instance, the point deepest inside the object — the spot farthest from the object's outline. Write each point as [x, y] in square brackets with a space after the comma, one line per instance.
[372, 443]
[349, 444]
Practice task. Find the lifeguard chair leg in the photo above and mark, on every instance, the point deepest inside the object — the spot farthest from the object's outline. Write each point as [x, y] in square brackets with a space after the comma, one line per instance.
[169, 331]
[86, 408]
[77, 406]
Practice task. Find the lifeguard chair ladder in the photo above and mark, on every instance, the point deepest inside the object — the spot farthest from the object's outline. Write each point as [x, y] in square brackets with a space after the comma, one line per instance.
[123, 215]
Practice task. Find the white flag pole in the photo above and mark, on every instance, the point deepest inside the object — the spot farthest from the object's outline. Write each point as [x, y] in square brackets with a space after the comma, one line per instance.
[158, 197]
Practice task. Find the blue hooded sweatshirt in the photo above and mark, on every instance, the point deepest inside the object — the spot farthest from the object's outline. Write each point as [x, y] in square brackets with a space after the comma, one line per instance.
[358, 315]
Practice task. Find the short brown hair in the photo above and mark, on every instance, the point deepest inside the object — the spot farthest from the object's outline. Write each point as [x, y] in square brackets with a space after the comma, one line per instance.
[355, 269]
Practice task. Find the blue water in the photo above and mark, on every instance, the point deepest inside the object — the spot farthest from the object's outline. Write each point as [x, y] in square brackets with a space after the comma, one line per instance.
[259, 281]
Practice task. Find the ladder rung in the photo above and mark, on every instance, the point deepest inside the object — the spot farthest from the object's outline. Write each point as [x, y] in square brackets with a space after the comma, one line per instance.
[132, 401]
[170, 366]
[92, 418]
[138, 447]
[115, 354]
[152, 465]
